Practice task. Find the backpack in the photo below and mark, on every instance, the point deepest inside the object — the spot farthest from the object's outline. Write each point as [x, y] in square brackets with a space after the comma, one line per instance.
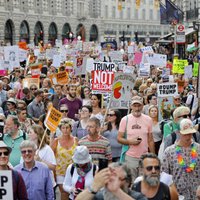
[162, 123]
[73, 166]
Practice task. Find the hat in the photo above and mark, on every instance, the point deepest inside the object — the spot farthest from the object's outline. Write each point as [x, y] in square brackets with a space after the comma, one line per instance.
[3, 145]
[137, 99]
[81, 155]
[187, 127]
[5, 77]
[180, 111]
[12, 100]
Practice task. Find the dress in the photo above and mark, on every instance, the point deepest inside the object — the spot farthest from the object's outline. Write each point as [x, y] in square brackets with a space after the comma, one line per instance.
[185, 182]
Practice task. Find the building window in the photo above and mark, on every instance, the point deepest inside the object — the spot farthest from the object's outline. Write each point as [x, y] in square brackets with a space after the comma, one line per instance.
[143, 13]
[128, 13]
[151, 14]
[113, 12]
[136, 14]
[122, 14]
[106, 11]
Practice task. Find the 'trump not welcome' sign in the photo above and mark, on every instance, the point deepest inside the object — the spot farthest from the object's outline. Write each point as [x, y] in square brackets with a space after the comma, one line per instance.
[167, 89]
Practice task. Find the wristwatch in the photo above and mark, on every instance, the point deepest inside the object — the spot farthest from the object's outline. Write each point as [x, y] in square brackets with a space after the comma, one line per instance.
[91, 190]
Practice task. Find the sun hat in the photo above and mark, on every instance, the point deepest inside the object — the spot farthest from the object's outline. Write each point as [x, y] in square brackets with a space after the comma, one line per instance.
[12, 100]
[3, 145]
[187, 127]
[137, 99]
[180, 111]
[81, 155]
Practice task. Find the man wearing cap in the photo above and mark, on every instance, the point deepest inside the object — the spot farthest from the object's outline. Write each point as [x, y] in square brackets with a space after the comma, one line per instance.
[182, 161]
[12, 107]
[19, 188]
[138, 128]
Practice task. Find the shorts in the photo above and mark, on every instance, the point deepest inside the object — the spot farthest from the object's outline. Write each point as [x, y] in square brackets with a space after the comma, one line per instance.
[60, 179]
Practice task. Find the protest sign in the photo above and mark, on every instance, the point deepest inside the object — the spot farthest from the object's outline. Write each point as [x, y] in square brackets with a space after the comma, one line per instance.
[195, 69]
[144, 70]
[179, 65]
[159, 60]
[122, 87]
[102, 77]
[23, 45]
[3, 72]
[116, 56]
[89, 64]
[188, 71]
[6, 185]
[147, 50]
[137, 58]
[111, 44]
[53, 119]
[87, 46]
[62, 78]
[165, 105]
[129, 69]
[27, 82]
[56, 60]
[22, 55]
[80, 66]
[11, 54]
[120, 66]
[36, 70]
[167, 89]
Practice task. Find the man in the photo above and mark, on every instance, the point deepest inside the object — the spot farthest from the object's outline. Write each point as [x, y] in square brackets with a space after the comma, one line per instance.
[138, 128]
[73, 103]
[36, 107]
[35, 174]
[198, 193]
[182, 161]
[13, 137]
[55, 98]
[99, 147]
[19, 188]
[2, 93]
[28, 98]
[12, 107]
[111, 184]
[177, 100]
[150, 184]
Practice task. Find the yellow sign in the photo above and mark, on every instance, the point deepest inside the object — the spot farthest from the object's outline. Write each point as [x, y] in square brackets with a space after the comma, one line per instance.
[62, 78]
[179, 66]
[27, 82]
[53, 118]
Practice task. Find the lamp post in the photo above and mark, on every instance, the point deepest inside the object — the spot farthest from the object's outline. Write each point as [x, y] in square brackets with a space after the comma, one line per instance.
[173, 30]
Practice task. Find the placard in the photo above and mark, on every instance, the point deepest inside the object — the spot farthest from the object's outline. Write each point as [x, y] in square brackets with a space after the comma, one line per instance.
[167, 89]
[27, 82]
[157, 59]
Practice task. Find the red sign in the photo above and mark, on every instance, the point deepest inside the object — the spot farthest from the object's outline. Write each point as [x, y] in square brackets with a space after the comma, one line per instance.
[102, 81]
[180, 28]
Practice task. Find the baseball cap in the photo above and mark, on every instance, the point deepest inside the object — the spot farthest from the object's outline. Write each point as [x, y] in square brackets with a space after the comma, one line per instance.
[187, 127]
[137, 99]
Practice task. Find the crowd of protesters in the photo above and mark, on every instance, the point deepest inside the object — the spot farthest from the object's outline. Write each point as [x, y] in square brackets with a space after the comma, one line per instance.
[98, 154]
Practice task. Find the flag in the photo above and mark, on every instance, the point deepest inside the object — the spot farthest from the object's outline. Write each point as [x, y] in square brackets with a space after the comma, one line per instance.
[173, 12]
[156, 4]
[163, 14]
[137, 3]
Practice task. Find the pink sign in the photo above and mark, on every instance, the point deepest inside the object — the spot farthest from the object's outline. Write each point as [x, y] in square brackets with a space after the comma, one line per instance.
[137, 58]
[3, 72]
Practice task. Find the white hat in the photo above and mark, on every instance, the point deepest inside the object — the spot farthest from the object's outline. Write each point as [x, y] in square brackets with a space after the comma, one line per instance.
[186, 127]
[3, 145]
[81, 155]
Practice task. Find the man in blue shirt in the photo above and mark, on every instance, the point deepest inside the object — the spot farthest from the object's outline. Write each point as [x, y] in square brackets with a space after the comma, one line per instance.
[36, 175]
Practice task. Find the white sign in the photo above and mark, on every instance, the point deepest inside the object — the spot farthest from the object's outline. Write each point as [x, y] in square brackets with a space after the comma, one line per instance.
[180, 34]
[11, 54]
[116, 56]
[22, 55]
[6, 186]
[56, 61]
[157, 59]
[167, 89]
[89, 64]
[144, 70]
[188, 71]
[147, 49]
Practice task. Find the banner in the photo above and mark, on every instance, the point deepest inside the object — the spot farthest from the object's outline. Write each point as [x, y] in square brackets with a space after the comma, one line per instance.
[27, 82]
[167, 89]
[122, 90]
[53, 119]
[6, 185]
[102, 77]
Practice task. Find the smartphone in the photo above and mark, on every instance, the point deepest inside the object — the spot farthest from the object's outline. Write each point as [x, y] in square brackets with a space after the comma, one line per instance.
[139, 139]
[103, 163]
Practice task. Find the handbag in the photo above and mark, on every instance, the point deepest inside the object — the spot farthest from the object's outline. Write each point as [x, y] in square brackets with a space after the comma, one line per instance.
[125, 148]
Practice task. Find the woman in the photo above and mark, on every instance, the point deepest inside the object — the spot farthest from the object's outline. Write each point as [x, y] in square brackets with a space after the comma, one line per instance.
[114, 118]
[79, 127]
[45, 153]
[157, 135]
[96, 106]
[64, 147]
[85, 95]
[48, 85]
[79, 175]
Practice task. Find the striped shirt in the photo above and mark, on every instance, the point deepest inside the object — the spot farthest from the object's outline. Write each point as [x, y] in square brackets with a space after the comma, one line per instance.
[99, 148]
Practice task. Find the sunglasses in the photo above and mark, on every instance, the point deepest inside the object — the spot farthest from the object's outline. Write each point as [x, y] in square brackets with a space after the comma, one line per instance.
[33, 88]
[27, 151]
[63, 111]
[1, 120]
[150, 168]
[6, 153]
[184, 116]
[111, 115]
[178, 99]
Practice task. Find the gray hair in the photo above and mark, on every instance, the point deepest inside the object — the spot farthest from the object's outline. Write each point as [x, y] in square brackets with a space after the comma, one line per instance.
[95, 120]
[28, 143]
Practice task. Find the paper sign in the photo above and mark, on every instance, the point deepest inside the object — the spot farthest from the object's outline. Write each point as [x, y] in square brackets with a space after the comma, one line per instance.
[11, 54]
[128, 69]
[188, 71]
[137, 58]
[22, 55]
[144, 70]
[6, 185]
[179, 65]
[53, 119]
[56, 60]
[130, 49]
[195, 69]
[27, 82]
[62, 78]
[157, 59]
[3, 72]
[116, 56]
[167, 89]
[89, 64]
[36, 70]
[147, 49]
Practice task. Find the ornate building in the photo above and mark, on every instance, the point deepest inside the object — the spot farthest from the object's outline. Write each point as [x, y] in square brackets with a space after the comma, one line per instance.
[93, 20]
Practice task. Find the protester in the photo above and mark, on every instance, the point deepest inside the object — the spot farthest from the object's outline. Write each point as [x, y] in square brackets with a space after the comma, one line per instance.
[181, 160]
[198, 193]
[12, 107]
[35, 174]
[85, 95]
[19, 188]
[138, 130]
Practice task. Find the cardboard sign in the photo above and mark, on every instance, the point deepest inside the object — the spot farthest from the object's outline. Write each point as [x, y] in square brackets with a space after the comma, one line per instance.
[53, 119]
[11, 54]
[188, 71]
[195, 69]
[167, 89]
[122, 87]
[36, 70]
[62, 78]
[27, 82]
[157, 59]
[146, 49]
[144, 70]
[179, 65]
[6, 186]
[137, 58]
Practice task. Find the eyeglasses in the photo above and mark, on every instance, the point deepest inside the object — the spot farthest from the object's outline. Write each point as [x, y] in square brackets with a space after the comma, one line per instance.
[111, 115]
[178, 99]
[84, 111]
[184, 116]
[63, 111]
[5, 153]
[150, 168]
[27, 151]
[1, 120]
[33, 88]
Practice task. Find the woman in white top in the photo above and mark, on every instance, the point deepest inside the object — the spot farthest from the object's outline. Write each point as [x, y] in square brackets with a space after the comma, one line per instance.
[79, 175]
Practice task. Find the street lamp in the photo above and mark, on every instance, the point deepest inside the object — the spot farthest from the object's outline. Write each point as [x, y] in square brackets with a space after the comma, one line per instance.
[147, 39]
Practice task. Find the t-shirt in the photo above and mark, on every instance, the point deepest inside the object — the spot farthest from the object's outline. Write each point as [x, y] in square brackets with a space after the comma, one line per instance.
[137, 127]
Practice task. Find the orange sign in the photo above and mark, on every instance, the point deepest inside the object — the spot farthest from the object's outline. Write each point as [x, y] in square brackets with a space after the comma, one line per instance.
[22, 45]
[61, 78]
[36, 70]
[53, 118]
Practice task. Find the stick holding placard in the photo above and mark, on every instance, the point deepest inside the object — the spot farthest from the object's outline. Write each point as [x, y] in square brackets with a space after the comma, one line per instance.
[44, 135]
